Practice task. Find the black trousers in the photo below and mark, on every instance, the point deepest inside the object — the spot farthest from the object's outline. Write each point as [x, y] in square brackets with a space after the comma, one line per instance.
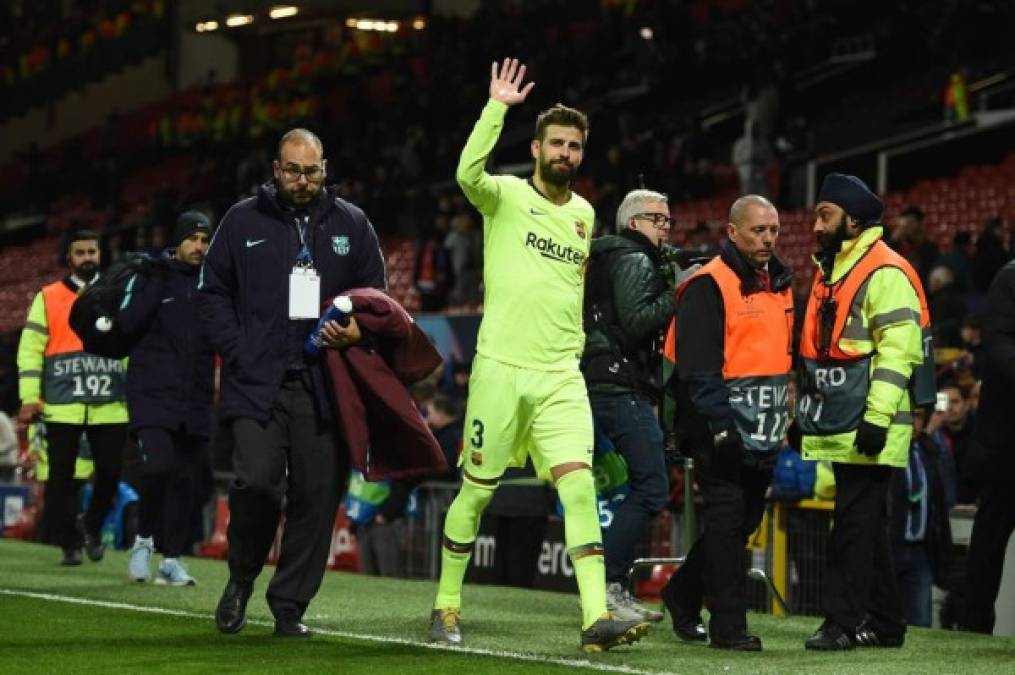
[860, 580]
[992, 527]
[107, 442]
[296, 460]
[171, 464]
[715, 571]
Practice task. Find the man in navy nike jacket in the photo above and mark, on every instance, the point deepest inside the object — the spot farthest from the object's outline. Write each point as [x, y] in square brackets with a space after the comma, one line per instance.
[286, 440]
[169, 396]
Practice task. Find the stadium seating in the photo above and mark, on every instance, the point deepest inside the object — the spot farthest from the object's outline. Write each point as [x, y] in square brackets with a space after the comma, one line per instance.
[961, 202]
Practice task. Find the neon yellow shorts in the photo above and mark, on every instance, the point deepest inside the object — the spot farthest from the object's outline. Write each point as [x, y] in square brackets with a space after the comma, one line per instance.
[514, 413]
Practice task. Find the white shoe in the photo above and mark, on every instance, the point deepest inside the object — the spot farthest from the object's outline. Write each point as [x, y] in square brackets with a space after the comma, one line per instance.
[140, 566]
[173, 573]
[624, 606]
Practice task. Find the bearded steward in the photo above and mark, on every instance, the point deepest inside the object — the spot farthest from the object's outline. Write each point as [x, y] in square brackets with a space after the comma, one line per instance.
[73, 393]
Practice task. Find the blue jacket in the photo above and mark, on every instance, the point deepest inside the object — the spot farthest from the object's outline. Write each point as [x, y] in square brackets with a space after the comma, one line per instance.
[244, 286]
[171, 373]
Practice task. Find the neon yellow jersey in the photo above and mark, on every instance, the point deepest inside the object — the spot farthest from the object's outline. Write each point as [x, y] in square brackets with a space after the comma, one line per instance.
[534, 258]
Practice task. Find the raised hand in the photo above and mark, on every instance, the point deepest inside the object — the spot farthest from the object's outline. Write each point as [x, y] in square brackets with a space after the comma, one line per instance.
[506, 82]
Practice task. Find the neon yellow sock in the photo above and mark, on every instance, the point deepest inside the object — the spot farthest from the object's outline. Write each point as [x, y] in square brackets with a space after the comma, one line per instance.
[584, 540]
[460, 528]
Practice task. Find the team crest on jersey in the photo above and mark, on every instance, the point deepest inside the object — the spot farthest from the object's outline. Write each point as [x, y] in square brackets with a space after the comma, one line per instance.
[477, 458]
[340, 245]
[579, 227]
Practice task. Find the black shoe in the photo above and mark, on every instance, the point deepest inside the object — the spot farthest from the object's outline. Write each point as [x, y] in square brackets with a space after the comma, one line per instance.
[740, 642]
[71, 557]
[231, 614]
[687, 626]
[290, 626]
[830, 636]
[867, 636]
[690, 629]
[93, 542]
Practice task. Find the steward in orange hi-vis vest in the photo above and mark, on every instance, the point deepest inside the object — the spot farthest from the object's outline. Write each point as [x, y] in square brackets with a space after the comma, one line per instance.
[864, 341]
[732, 344]
[836, 349]
[757, 355]
[73, 393]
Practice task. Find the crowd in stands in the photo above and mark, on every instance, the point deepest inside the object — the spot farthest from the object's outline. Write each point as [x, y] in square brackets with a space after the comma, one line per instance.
[211, 144]
[49, 48]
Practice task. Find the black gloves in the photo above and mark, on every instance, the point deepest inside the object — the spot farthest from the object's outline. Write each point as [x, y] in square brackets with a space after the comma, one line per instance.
[870, 439]
[727, 446]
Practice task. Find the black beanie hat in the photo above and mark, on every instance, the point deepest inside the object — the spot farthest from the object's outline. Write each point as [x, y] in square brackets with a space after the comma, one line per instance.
[187, 224]
[850, 193]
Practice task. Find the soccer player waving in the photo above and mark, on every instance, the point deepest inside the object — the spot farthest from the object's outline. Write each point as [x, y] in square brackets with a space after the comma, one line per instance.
[526, 394]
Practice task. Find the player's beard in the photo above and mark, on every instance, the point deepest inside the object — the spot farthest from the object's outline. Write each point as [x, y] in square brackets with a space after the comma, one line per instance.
[300, 197]
[559, 172]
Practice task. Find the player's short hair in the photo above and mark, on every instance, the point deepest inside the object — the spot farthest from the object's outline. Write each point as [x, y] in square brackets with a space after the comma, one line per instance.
[634, 203]
[562, 116]
[302, 137]
[738, 211]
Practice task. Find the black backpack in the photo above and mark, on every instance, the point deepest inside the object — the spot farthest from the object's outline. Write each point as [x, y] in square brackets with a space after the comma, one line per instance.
[93, 315]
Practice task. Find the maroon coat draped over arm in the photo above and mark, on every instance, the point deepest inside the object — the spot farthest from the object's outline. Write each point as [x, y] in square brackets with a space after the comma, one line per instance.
[387, 437]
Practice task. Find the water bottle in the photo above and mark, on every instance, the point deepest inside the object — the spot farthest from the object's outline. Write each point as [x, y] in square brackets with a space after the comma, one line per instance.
[340, 309]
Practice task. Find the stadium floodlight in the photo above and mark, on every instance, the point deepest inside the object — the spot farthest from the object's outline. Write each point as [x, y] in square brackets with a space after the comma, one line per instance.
[283, 11]
[379, 25]
[419, 23]
[206, 26]
[646, 33]
[236, 20]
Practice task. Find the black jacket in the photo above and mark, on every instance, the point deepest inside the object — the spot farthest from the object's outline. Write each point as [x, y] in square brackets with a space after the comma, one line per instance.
[938, 540]
[171, 373]
[703, 399]
[627, 306]
[244, 297]
[961, 442]
[992, 455]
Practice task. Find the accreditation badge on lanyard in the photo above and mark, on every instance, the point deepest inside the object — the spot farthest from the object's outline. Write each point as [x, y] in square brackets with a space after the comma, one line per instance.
[304, 282]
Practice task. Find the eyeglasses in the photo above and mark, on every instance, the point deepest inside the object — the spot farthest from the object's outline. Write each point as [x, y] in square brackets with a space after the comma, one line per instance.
[313, 174]
[660, 221]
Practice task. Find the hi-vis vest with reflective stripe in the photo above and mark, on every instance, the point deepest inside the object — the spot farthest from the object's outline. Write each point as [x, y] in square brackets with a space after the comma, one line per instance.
[834, 386]
[757, 355]
[71, 375]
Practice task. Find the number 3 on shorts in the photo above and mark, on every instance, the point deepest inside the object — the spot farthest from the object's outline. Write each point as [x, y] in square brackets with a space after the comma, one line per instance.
[477, 434]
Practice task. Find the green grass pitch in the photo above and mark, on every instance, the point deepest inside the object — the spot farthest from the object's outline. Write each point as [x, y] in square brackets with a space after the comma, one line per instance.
[92, 619]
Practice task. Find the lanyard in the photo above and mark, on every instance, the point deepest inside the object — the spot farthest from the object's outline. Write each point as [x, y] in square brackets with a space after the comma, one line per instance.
[303, 259]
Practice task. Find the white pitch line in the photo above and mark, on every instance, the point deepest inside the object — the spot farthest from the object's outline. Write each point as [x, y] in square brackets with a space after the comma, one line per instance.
[518, 656]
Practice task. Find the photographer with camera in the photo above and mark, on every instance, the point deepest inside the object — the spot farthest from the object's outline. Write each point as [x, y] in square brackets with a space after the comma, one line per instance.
[628, 303]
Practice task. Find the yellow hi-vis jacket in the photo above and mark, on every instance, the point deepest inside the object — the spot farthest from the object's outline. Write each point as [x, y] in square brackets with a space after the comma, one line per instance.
[73, 386]
[865, 372]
